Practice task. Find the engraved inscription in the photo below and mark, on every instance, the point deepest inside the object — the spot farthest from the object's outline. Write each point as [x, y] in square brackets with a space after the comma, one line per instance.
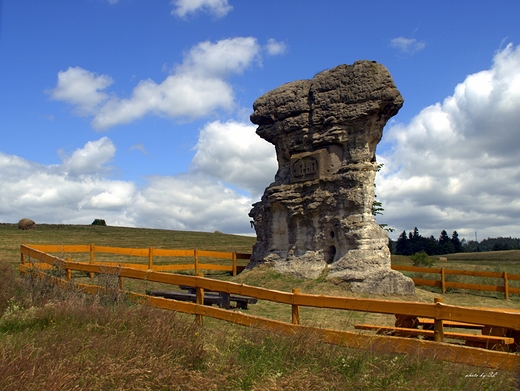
[305, 168]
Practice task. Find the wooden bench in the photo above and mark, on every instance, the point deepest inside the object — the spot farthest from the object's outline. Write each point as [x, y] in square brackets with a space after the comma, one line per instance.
[403, 331]
[487, 341]
[414, 322]
[241, 301]
[485, 329]
[222, 299]
[503, 331]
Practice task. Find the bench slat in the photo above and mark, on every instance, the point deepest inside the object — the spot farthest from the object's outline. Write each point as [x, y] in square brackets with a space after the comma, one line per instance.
[449, 323]
[233, 297]
[208, 299]
[430, 333]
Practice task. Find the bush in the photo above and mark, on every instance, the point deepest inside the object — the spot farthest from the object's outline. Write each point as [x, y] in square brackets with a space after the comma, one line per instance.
[99, 222]
[422, 259]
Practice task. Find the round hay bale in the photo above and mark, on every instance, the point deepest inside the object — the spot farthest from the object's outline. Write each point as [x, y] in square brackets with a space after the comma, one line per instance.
[26, 224]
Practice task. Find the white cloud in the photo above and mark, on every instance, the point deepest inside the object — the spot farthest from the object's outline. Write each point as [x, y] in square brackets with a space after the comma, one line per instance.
[90, 159]
[139, 147]
[179, 96]
[233, 153]
[196, 88]
[79, 191]
[274, 47]
[82, 89]
[191, 202]
[220, 59]
[407, 45]
[218, 8]
[456, 165]
[49, 194]
[113, 196]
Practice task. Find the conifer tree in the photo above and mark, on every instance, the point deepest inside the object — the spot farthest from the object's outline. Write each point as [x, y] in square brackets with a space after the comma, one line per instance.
[457, 245]
[402, 246]
[445, 245]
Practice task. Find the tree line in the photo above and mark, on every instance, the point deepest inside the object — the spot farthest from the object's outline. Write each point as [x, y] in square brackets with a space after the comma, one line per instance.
[492, 244]
[414, 242]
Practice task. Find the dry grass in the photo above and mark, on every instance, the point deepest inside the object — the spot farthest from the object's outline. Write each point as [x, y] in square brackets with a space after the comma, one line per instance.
[78, 342]
[60, 339]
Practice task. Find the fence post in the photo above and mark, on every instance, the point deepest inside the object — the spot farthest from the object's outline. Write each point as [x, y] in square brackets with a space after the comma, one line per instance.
[295, 308]
[438, 327]
[68, 271]
[92, 251]
[120, 283]
[234, 263]
[443, 281]
[199, 300]
[150, 258]
[506, 286]
[22, 255]
[196, 262]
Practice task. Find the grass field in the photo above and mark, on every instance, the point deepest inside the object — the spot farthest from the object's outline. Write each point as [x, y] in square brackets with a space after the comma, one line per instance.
[60, 339]
[494, 261]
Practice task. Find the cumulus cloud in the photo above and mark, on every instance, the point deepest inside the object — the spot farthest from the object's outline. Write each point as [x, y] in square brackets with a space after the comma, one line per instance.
[233, 153]
[220, 59]
[47, 193]
[191, 202]
[90, 159]
[275, 47]
[196, 88]
[80, 189]
[82, 89]
[407, 45]
[456, 166]
[179, 96]
[217, 8]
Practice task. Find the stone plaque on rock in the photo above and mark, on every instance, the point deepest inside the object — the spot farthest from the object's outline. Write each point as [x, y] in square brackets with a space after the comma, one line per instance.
[316, 217]
[307, 166]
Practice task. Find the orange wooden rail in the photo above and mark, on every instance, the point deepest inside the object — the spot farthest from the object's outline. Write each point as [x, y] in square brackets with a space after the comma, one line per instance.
[150, 253]
[443, 284]
[437, 311]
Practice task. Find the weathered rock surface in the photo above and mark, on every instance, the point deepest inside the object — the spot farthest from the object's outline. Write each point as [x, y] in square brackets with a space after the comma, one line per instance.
[317, 214]
[26, 224]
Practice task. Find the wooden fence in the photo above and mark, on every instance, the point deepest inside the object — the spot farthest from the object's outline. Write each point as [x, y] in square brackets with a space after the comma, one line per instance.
[437, 311]
[443, 284]
[234, 269]
[150, 253]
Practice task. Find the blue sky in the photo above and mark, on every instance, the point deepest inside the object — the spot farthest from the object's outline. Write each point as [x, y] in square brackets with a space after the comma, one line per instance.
[138, 111]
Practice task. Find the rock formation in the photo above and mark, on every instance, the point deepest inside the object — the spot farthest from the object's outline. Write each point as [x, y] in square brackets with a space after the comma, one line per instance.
[26, 224]
[317, 214]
